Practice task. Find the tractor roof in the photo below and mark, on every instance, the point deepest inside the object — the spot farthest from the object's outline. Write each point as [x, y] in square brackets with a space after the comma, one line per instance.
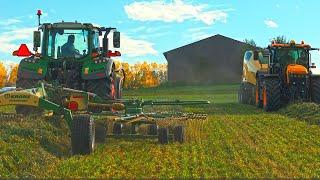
[70, 25]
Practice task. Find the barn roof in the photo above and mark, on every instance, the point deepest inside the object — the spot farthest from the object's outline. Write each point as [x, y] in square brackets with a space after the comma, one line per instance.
[217, 36]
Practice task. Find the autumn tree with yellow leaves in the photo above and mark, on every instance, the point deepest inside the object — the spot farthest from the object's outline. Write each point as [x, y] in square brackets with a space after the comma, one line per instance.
[144, 74]
[3, 75]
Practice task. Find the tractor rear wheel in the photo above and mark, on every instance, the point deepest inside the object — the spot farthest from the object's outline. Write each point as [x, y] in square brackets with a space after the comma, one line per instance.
[258, 94]
[271, 94]
[259, 102]
[82, 135]
[315, 90]
[104, 88]
[26, 84]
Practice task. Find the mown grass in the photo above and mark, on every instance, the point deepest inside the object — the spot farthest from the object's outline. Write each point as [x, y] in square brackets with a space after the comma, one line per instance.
[235, 141]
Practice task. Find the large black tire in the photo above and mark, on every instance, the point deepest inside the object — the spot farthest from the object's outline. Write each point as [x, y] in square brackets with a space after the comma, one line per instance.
[27, 84]
[258, 93]
[179, 134]
[271, 94]
[163, 136]
[104, 88]
[315, 90]
[82, 135]
[258, 100]
[246, 94]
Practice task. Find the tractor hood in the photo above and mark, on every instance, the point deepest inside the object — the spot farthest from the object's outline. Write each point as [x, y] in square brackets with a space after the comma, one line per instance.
[296, 69]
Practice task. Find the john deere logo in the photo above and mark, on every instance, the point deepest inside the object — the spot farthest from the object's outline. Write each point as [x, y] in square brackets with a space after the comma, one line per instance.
[15, 96]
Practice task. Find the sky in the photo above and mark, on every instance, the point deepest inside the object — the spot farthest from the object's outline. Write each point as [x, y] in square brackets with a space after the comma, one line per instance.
[151, 27]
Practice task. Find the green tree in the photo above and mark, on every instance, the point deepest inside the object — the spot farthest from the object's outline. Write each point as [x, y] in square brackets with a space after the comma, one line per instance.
[250, 42]
[280, 40]
[250, 45]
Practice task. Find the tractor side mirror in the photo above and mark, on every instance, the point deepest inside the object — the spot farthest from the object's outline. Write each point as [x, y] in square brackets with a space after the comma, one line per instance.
[255, 55]
[313, 66]
[36, 39]
[116, 39]
[105, 44]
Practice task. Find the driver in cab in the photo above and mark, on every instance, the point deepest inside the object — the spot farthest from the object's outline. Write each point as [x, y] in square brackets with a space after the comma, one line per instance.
[68, 49]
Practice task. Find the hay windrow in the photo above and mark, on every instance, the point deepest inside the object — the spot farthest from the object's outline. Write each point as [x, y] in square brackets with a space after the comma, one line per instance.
[309, 112]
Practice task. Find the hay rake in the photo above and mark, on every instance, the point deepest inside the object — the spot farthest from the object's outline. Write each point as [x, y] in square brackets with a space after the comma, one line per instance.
[114, 118]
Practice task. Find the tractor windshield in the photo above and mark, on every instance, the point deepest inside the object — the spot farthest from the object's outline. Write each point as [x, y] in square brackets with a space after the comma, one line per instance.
[292, 56]
[67, 43]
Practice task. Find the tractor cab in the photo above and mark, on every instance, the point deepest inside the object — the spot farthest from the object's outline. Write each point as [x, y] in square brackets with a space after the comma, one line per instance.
[71, 40]
[292, 58]
[290, 61]
[73, 43]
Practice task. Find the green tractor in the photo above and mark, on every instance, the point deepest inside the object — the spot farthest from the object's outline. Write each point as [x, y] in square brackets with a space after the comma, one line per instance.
[71, 56]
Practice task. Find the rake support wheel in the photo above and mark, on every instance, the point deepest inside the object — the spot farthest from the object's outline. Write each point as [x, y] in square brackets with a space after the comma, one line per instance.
[163, 136]
[82, 135]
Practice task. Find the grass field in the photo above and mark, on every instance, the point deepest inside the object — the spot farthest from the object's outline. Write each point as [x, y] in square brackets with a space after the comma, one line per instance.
[236, 141]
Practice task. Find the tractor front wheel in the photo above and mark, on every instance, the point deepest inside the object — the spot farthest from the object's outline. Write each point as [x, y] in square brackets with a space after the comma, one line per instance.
[271, 94]
[82, 135]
